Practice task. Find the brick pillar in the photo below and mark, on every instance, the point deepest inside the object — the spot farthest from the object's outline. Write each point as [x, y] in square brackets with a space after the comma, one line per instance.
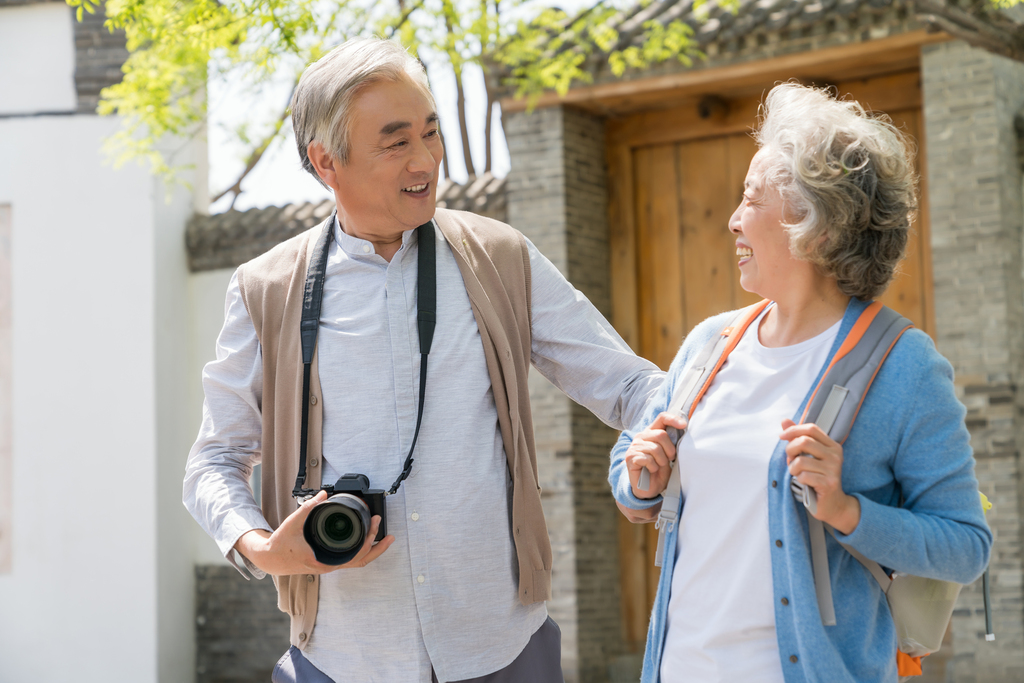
[970, 99]
[557, 195]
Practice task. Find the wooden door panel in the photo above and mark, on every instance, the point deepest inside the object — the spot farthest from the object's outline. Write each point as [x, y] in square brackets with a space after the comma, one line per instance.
[657, 228]
[706, 257]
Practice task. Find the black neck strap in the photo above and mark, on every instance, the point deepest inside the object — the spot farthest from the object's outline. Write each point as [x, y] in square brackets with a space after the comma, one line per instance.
[426, 296]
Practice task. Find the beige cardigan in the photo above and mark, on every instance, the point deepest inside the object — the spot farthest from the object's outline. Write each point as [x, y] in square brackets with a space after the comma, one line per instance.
[495, 267]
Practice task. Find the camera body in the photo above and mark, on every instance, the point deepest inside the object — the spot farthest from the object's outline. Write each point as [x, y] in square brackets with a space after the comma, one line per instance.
[358, 485]
[336, 528]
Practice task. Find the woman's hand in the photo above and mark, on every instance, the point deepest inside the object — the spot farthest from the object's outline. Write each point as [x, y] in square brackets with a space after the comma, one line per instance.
[653, 449]
[821, 468]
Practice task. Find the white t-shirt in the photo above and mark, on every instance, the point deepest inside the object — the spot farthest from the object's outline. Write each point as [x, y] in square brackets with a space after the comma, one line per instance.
[721, 614]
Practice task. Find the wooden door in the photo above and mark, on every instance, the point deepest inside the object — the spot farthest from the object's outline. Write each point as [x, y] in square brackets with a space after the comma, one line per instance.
[673, 257]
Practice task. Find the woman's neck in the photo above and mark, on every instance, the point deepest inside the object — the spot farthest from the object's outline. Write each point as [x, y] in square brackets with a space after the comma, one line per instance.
[803, 314]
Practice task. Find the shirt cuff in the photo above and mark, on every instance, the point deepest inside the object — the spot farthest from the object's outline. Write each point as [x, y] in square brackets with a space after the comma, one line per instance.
[237, 523]
[878, 531]
[624, 494]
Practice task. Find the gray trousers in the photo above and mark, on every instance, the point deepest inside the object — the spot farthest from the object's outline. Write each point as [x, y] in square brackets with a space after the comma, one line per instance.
[539, 662]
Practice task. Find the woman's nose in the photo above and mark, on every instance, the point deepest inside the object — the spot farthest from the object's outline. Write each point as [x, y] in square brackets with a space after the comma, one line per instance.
[734, 219]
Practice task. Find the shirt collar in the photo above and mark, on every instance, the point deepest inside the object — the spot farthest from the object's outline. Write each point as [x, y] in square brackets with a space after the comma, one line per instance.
[357, 247]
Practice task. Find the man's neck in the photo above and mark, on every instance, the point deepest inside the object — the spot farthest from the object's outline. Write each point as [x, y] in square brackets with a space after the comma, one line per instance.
[386, 246]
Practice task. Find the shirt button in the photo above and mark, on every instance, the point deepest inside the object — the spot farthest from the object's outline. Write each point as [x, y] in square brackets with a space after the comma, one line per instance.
[366, 248]
[778, 544]
[312, 399]
[775, 484]
[302, 637]
[415, 516]
[310, 578]
[793, 658]
[420, 578]
[785, 601]
[314, 462]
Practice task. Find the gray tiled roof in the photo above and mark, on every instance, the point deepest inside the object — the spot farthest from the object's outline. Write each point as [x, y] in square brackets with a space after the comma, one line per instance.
[713, 23]
[229, 239]
[758, 29]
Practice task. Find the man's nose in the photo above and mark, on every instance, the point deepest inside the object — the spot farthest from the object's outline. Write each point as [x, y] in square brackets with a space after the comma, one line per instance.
[422, 159]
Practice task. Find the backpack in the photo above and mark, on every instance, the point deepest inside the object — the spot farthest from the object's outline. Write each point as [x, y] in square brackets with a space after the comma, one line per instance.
[921, 608]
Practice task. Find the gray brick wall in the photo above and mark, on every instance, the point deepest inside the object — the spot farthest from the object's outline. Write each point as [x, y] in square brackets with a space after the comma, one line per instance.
[99, 55]
[557, 195]
[240, 633]
[970, 99]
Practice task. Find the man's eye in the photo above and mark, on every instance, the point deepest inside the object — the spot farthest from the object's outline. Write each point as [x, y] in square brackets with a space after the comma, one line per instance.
[432, 134]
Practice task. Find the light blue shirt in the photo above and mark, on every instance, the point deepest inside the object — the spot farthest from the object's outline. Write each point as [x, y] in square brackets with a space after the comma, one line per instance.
[909, 440]
[444, 595]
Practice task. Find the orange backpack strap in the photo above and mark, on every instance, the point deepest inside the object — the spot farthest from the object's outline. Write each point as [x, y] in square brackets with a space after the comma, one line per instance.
[690, 390]
[907, 665]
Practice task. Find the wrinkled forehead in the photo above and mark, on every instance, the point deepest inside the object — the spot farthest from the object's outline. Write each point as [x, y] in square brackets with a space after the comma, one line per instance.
[754, 179]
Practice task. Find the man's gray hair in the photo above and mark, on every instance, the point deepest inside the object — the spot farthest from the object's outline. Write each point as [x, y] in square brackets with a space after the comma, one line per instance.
[847, 182]
[322, 103]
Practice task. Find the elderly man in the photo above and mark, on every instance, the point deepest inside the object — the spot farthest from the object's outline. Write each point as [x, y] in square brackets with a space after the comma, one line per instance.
[456, 590]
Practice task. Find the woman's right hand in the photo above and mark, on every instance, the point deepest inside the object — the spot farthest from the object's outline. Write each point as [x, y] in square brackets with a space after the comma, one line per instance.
[653, 448]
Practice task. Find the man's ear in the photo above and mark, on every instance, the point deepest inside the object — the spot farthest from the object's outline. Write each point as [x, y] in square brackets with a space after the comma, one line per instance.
[324, 164]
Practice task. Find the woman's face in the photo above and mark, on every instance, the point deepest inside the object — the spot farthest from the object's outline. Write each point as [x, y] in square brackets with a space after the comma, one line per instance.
[762, 245]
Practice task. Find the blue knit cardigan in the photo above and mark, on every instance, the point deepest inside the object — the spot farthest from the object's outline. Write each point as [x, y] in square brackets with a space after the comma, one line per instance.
[909, 440]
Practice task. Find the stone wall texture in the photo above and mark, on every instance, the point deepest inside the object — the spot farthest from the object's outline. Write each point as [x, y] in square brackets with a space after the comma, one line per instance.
[557, 195]
[970, 100]
[240, 633]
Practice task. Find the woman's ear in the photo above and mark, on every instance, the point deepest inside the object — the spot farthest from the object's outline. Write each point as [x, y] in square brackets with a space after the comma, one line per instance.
[324, 164]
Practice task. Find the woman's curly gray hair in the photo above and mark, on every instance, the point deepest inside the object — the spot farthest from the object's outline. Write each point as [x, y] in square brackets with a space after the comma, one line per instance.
[847, 183]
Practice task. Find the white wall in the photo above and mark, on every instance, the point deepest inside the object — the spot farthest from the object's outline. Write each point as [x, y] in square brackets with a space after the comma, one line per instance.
[175, 562]
[101, 585]
[39, 40]
[206, 292]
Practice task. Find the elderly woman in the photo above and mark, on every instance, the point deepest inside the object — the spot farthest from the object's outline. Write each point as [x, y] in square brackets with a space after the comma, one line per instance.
[820, 229]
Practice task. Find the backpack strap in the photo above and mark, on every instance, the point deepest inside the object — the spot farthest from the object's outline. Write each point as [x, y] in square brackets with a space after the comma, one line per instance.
[691, 388]
[833, 406]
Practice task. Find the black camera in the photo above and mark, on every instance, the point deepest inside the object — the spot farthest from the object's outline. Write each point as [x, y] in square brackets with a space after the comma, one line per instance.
[336, 528]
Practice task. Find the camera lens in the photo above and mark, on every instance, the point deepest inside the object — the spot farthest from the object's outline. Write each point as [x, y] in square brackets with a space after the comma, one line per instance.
[336, 528]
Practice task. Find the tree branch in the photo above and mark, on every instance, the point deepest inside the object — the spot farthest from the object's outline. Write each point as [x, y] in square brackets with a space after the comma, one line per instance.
[255, 156]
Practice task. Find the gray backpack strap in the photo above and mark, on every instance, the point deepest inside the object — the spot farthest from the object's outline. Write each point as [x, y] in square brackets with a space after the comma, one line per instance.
[692, 381]
[689, 391]
[833, 407]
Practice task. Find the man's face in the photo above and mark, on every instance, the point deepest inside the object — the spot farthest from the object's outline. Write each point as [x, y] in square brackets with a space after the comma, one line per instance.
[389, 184]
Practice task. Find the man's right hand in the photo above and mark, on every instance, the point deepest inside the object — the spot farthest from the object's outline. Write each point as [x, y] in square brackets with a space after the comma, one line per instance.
[653, 449]
[285, 552]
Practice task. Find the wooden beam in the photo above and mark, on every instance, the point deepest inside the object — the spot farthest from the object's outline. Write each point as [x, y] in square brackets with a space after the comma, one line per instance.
[692, 121]
[842, 62]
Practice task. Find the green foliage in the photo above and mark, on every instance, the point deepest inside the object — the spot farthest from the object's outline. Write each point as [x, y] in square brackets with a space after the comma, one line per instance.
[176, 46]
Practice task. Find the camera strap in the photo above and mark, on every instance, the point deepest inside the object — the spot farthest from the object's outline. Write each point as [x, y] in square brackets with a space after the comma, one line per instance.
[426, 318]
